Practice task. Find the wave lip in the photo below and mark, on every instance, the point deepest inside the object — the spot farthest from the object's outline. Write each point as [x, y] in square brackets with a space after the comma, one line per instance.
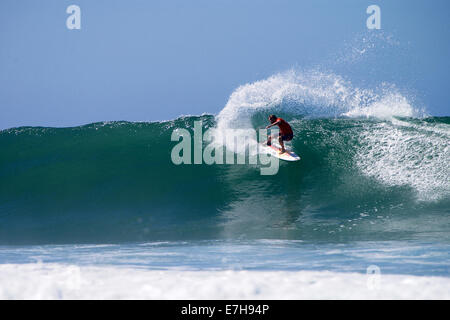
[312, 94]
[389, 106]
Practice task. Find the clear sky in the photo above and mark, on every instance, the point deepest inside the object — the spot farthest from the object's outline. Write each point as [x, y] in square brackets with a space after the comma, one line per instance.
[144, 60]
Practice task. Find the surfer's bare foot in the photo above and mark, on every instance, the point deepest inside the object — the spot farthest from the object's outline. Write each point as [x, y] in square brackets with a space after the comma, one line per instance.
[281, 151]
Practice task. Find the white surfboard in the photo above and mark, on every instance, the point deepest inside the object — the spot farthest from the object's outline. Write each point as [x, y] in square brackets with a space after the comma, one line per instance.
[274, 150]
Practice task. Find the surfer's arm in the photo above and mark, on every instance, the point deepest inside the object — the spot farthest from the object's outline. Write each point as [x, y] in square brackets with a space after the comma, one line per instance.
[273, 124]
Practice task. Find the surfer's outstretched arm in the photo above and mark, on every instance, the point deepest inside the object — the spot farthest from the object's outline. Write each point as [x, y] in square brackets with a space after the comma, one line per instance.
[273, 124]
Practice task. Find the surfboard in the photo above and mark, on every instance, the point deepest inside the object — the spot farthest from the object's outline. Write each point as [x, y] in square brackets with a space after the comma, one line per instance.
[274, 150]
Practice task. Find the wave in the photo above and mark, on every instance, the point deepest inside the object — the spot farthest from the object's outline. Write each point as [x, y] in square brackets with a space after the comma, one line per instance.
[359, 179]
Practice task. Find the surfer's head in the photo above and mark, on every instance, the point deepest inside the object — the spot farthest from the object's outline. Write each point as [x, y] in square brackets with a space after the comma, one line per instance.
[272, 118]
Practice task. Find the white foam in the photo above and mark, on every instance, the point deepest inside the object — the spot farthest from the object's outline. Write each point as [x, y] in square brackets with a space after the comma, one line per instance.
[57, 281]
[312, 93]
[387, 107]
[403, 153]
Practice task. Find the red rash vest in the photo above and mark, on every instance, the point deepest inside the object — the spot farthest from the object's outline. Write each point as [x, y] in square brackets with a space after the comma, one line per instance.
[285, 128]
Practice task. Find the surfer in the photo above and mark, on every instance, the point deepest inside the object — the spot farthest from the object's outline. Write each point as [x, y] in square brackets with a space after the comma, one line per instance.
[286, 133]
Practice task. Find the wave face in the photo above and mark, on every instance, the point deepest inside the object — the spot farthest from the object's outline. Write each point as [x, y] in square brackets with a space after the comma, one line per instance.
[359, 179]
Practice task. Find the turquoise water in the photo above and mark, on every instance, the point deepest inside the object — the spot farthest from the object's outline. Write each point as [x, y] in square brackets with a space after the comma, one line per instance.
[115, 183]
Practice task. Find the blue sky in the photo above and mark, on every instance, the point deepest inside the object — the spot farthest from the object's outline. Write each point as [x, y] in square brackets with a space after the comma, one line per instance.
[143, 60]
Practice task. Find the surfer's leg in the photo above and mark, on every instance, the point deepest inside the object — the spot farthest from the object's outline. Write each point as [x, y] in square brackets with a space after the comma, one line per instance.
[269, 140]
[280, 139]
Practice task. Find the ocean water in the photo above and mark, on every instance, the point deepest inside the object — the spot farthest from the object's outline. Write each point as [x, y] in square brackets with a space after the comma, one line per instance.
[227, 269]
[101, 211]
